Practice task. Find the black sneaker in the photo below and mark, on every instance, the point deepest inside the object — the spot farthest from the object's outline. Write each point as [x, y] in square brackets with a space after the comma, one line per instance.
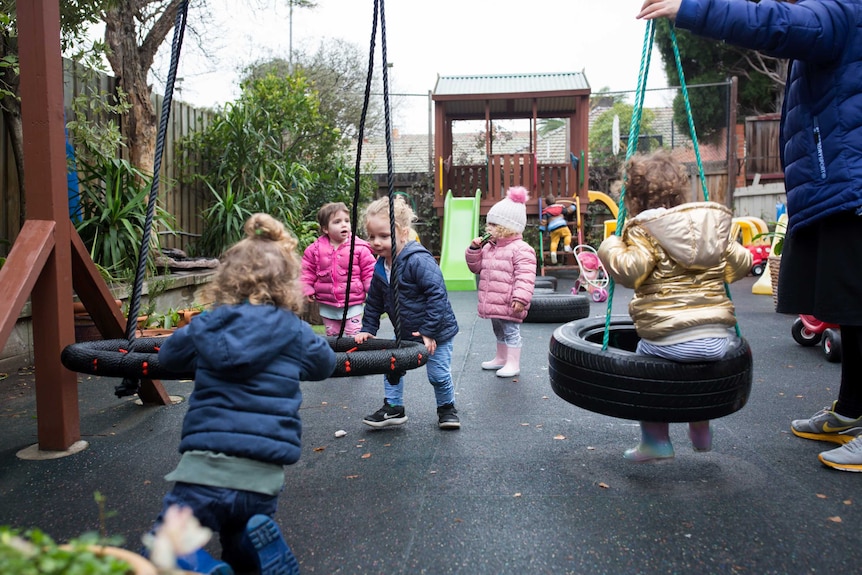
[386, 416]
[447, 417]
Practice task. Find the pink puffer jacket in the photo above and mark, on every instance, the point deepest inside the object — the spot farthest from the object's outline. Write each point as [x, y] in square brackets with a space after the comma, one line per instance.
[324, 271]
[507, 273]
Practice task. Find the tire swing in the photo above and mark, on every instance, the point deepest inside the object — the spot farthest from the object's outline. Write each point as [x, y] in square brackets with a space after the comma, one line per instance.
[135, 359]
[592, 361]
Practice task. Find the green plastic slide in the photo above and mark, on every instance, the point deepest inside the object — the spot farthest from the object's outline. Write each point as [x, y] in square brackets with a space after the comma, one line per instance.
[460, 226]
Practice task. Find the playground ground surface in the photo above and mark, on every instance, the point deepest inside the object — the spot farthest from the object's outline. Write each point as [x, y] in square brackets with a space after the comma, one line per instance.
[530, 484]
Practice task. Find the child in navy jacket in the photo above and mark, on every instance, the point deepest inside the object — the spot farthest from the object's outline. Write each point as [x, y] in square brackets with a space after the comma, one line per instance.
[242, 427]
[425, 313]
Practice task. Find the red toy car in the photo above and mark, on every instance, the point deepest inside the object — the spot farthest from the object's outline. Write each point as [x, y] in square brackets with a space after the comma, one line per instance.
[759, 253]
[808, 331]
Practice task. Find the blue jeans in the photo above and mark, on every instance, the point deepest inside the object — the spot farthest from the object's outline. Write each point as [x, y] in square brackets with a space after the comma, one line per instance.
[507, 332]
[439, 370]
[225, 511]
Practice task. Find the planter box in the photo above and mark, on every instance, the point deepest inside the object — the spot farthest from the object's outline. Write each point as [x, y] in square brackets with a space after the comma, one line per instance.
[175, 291]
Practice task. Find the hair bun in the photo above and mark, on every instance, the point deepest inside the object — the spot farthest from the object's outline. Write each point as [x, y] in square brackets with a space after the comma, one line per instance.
[518, 194]
[264, 226]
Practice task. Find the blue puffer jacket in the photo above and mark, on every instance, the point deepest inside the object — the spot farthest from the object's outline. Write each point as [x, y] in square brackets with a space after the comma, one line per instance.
[422, 294]
[821, 124]
[248, 360]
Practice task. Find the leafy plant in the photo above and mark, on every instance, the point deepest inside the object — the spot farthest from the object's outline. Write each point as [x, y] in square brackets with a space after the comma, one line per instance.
[775, 237]
[33, 552]
[113, 198]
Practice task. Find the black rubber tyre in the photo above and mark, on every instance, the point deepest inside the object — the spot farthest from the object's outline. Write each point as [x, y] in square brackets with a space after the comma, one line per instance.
[557, 308]
[802, 335]
[620, 383]
[832, 345]
[116, 358]
[757, 269]
[375, 356]
[546, 282]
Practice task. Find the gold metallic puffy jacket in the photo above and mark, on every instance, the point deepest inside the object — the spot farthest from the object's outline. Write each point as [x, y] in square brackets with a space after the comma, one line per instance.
[677, 260]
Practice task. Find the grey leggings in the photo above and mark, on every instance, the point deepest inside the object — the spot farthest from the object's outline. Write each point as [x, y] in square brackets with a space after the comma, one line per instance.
[506, 331]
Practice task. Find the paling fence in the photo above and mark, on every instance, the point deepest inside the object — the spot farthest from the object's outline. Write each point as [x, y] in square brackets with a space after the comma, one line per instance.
[181, 198]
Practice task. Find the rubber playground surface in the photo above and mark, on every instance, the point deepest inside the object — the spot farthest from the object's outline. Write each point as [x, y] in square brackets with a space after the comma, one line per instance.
[529, 484]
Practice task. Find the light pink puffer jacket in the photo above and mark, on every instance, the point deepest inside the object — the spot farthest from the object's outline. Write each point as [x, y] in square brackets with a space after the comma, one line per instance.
[507, 273]
[324, 271]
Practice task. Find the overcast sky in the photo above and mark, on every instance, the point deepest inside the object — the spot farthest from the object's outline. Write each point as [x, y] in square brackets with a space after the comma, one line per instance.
[427, 39]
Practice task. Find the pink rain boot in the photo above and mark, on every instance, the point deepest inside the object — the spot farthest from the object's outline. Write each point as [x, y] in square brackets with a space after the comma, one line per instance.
[513, 363]
[655, 443]
[700, 435]
[499, 360]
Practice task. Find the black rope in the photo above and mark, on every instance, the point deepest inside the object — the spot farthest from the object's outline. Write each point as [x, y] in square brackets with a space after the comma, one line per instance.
[130, 386]
[393, 283]
[354, 215]
[390, 176]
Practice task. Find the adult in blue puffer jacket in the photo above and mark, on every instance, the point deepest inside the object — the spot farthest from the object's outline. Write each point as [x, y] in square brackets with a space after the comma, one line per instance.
[821, 153]
[242, 425]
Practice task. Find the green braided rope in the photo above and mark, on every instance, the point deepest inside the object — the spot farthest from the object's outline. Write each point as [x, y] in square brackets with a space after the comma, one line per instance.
[634, 133]
[694, 140]
[688, 113]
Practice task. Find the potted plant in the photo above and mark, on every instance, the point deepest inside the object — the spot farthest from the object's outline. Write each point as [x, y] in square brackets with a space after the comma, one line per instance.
[33, 552]
[776, 236]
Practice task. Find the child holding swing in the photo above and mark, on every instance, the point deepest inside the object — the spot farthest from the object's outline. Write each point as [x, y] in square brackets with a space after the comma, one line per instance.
[677, 257]
[425, 313]
[242, 426]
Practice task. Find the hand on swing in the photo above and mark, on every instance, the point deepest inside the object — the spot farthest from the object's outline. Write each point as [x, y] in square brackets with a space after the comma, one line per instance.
[429, 342]
[652, 9]
[362, 337]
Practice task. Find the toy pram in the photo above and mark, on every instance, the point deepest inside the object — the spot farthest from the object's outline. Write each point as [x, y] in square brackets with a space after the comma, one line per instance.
[592, 276]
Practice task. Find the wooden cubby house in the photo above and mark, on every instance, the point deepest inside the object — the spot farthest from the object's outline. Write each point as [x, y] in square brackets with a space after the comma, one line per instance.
[491, 98]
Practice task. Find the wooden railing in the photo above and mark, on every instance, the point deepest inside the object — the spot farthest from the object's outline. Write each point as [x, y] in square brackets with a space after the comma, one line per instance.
[502, 172]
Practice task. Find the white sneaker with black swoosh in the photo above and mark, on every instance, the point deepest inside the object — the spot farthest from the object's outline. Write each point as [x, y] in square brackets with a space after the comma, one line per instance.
[386, 416]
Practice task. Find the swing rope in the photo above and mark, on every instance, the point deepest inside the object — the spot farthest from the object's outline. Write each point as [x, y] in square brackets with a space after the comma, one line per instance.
[131, 386]
[634, 132]
[390, 173]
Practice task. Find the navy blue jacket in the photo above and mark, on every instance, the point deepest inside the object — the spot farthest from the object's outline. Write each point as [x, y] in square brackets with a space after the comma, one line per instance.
[424, 302]
[248, 360]
[821, 123]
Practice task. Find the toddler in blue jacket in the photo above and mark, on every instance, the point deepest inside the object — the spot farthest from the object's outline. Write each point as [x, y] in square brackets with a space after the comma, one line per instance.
[242, 427]
[425, 313]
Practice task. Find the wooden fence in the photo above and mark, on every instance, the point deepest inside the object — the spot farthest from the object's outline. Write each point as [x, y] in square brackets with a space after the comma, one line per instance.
[180, 198]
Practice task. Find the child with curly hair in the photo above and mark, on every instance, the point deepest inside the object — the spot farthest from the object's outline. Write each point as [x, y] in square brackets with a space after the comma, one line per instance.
[325, 266]
[506, 265]
[425, 313]
[677, 256]
[249, 353]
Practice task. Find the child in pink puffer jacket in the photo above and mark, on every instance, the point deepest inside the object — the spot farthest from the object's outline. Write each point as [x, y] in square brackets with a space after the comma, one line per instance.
[325, 264]
[506, 265]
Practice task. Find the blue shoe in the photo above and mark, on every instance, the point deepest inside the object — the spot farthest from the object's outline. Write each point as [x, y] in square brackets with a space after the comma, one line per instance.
[263, 537]
[202, 562]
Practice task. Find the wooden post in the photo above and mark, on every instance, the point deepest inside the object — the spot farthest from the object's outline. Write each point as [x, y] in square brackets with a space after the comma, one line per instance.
[47, 200]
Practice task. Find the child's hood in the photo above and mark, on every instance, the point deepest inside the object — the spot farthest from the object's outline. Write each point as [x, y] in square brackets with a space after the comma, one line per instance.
[242, 340]
[695, 234]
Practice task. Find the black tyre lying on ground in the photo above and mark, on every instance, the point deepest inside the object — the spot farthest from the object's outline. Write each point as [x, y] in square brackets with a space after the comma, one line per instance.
[620, 383]
[557, 308]
[546, 282]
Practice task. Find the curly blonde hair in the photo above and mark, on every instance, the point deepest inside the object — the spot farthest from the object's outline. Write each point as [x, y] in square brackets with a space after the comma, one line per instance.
[655, 180]
[262, 268]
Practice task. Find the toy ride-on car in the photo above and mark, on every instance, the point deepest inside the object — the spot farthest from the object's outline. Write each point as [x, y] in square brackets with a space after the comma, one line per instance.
[809, 331]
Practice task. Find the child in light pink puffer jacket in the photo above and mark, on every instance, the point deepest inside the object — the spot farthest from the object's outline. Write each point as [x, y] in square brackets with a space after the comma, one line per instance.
[506, 265]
